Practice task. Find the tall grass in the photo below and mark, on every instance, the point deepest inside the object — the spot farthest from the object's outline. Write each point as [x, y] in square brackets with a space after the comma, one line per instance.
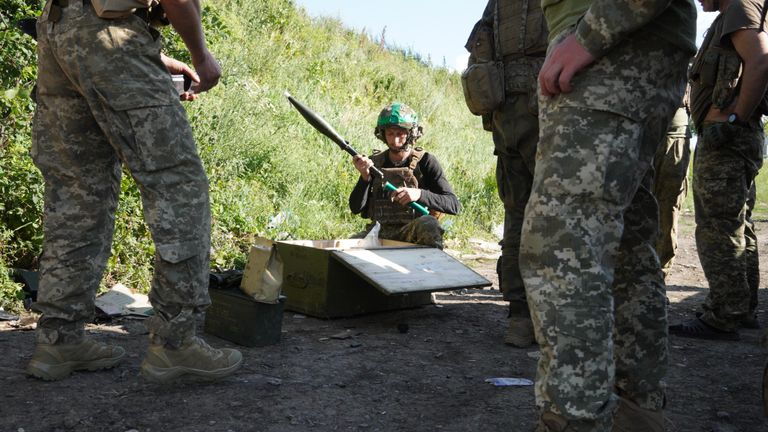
[271, 173]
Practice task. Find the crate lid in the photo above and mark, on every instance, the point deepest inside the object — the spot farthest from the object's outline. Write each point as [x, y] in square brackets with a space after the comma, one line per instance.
[407, 270]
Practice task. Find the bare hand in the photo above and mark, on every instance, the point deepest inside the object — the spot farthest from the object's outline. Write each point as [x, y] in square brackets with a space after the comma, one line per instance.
[363, 165]
[405, 196]
[209, 71]
[176, 67]
[565, 60]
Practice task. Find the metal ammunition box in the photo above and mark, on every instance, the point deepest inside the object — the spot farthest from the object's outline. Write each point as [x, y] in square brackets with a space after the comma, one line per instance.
[338, 278]
[238, 318]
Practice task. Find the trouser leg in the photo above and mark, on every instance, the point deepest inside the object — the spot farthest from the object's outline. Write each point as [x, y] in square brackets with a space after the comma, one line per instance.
[82, 183]
[515, 134]
[724, 169]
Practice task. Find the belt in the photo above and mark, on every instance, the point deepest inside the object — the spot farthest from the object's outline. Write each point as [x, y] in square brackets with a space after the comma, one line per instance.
[54, 15]
[65, 3]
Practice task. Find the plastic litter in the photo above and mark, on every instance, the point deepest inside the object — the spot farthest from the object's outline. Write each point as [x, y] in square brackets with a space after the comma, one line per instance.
[371, 240]
[506, 382]
[5, 316]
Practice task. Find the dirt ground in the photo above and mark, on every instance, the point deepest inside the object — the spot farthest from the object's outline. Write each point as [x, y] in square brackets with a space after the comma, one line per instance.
[375, 378]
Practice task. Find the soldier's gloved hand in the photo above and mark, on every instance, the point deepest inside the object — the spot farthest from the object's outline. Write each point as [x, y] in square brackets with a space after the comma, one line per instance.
[405, 196]
[363, 165]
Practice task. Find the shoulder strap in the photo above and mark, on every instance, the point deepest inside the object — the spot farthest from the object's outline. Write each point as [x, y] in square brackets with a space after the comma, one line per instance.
[762, 19]
[523, 27]
[416, 156]
[378, 158]
[496, 39]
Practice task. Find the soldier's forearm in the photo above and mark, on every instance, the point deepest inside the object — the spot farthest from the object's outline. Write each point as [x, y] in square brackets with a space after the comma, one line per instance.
[607, 22]
[184, 16]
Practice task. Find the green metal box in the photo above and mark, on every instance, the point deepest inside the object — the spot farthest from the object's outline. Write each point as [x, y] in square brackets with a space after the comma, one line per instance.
[340, 278]
[238, 318]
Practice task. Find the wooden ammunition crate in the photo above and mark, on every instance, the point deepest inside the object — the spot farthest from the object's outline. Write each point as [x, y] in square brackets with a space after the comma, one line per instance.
[338, 278]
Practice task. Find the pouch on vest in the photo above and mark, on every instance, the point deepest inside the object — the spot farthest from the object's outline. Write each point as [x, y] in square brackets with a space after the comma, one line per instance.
[483, 85]
[111, 9]
[483, 80]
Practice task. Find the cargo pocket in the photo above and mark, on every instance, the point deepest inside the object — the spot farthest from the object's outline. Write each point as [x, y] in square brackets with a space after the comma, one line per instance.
[583, 363]
[177, 252]
[147, 124]
[720, 185]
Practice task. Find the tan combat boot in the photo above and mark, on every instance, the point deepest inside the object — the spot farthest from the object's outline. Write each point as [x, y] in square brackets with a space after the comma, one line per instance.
[631, 417]
[53, 362]
[194, 357]
[520, 332]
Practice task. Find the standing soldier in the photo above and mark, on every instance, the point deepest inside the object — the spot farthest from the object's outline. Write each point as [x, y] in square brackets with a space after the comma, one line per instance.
[613, 77]
[105, 99]
[670, 184]
[728, 96]
[518, 30]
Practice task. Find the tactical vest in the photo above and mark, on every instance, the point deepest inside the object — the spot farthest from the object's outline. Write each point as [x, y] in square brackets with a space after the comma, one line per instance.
[717, 68]
[521, 29]
[522, 34]
[380, 205]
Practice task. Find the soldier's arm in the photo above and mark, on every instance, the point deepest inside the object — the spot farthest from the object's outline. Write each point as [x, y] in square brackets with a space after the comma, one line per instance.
[358, 198]
[752, 46]
[608, 22]
[184, 16]
[605, 24]
[437, 193]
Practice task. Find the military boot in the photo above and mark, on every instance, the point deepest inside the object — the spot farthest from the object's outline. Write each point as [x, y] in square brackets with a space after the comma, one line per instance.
[53, 362]
[194, 357]
[551, 422]
[630, 417]
[520, 332]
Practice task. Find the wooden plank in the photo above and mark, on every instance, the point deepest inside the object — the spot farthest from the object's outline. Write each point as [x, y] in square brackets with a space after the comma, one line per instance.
[405, 270]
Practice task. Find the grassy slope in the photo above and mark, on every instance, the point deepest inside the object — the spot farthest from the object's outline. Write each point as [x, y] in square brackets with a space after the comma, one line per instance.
[263, 159]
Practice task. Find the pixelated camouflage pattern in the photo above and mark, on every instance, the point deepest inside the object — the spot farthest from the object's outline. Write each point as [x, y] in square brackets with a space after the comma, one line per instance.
[603, 24]
[670, 185]
[726, 162]
[593, 280]
[105, 101]
[425, 230]
[751, 251]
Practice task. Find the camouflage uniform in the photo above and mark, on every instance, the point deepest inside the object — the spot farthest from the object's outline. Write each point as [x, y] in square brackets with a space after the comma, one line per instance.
[587, 257]
[521, 34]
[670, 184]
[105, 100]
[726, 162]
[724, 169]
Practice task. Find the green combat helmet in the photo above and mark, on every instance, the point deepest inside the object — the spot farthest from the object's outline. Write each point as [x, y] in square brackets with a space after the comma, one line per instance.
[401, 115]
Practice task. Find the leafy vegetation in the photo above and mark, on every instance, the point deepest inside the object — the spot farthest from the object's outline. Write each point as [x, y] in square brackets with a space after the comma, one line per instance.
[270, 173]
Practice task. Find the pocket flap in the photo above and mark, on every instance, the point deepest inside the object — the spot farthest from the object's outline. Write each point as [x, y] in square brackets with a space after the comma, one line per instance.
[177, 252]
[140, 94]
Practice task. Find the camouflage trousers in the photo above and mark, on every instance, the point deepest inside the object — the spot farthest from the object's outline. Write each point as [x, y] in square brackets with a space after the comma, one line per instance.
[670, 187]
[424, 230]
[725, 164]
[587, 256]
[105, 101]
[515, 134]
